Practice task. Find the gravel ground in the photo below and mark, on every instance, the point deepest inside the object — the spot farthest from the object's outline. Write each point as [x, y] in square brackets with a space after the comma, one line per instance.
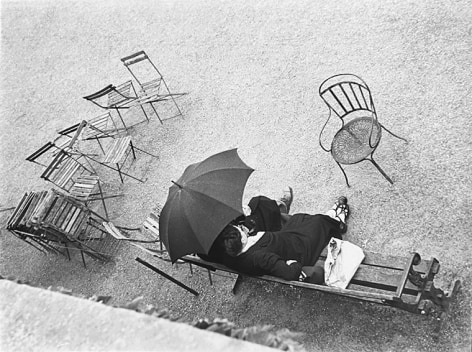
[252, 70]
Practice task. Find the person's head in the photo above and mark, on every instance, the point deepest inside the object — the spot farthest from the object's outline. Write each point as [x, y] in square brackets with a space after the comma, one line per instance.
[232, 239]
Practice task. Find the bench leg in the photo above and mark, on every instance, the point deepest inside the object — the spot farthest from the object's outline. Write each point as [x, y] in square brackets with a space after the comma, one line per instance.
[446, 301]
[237, 283]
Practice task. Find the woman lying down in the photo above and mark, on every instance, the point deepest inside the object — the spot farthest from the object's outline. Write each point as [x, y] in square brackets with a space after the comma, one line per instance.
[289, 252]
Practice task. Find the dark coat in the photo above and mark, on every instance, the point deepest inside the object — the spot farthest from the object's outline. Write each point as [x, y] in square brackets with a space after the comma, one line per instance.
[302, 238]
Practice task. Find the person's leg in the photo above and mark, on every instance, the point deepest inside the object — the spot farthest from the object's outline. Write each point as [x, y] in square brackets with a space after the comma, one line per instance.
[340, 212]
[285, 201]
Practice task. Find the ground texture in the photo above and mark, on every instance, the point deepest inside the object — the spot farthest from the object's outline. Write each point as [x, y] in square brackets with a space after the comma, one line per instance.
[252, 71]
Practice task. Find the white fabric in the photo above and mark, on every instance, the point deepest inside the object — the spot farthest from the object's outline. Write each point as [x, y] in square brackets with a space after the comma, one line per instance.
[342, 262]
[251, 240]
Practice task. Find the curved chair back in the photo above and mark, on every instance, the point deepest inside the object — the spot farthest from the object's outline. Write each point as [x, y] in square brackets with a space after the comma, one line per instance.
[345, 94]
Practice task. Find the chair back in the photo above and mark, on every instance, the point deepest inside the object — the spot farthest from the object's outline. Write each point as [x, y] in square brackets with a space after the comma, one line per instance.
[144, 72]
[112, 96]
[64, 170]
[346, 94]
[100, 127]
[49, 147]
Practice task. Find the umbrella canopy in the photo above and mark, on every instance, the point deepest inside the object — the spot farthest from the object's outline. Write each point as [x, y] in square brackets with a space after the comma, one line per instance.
[202, 202]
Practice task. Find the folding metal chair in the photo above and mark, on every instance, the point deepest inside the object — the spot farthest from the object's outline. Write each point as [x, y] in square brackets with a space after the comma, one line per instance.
[148, 234]
[19, 223]
[97, 128]
[153, 87]
[69, 174]
[62, 218]
[116, 155]
[349, 97]
[68, 140]
[118, 98]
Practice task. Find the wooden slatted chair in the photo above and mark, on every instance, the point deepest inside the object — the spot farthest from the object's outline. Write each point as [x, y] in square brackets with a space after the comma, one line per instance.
[118, 98]
[65, 219]
[148, 238]
[20, 225]
[117, 154]
[153, 87]
[97, 128]
[70, 174]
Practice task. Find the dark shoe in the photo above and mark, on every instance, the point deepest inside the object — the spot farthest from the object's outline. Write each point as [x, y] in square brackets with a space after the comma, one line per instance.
[341, 208]
[287, 198]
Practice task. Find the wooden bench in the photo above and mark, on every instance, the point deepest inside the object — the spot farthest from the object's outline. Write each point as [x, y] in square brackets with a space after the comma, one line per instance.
[402, 282]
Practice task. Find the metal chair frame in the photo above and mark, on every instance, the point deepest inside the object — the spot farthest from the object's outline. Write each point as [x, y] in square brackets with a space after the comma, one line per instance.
[117, 153]
[150, 90]
[70, 175]
[56, 220]
[97, 128]
[349, 97]
[121, 97]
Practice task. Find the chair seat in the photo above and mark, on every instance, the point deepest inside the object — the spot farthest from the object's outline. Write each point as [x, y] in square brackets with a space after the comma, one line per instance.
[117, 150]
[84, 186]
[351, 143]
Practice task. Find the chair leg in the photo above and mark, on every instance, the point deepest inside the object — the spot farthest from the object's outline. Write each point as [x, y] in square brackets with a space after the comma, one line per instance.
[144, 112]
[119, 172]
[141, 150]
[83, 258]
[152, 105]
[132, 149]
[393, 134]
[344, 173]
[100, 145]
[172, 97]
[103, 200]
[122, 121]
[381, 171]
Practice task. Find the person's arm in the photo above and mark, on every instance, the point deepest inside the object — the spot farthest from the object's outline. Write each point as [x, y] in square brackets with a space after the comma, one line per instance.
[272, 264]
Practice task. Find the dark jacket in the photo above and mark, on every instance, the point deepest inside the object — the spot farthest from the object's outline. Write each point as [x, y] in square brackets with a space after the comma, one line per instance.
[302, 239]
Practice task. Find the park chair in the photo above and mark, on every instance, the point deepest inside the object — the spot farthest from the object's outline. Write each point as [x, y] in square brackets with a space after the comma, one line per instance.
[68, 140]
[72, 176]
[153, 87]
[48, 151]
[118, 98]
[97, 128]
[68, 223]
[349, 97]
[19, 223]
[148, 239]
[117, 153]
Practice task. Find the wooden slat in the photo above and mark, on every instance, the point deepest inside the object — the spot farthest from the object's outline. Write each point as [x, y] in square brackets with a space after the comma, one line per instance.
[64, 173]
[84, 186]
[112, 230]
[19, 212]
[121, 95]
[100, 126]
[387, 261]
[79, 225]
[33, 207]
[72, 219]
[152, 224]
[65, 214]
[117, 150]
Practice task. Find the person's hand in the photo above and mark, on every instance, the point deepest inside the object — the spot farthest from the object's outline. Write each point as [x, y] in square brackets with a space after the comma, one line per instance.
[289, 262]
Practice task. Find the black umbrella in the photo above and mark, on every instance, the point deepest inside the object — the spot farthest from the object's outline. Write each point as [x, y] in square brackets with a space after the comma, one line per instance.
[202, 202]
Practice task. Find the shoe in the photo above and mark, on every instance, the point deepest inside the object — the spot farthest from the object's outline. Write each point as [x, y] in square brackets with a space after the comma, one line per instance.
[341, 209]
[287, 198]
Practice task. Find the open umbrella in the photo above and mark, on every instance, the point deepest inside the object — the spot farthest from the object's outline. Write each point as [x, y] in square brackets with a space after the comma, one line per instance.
[202, 202]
